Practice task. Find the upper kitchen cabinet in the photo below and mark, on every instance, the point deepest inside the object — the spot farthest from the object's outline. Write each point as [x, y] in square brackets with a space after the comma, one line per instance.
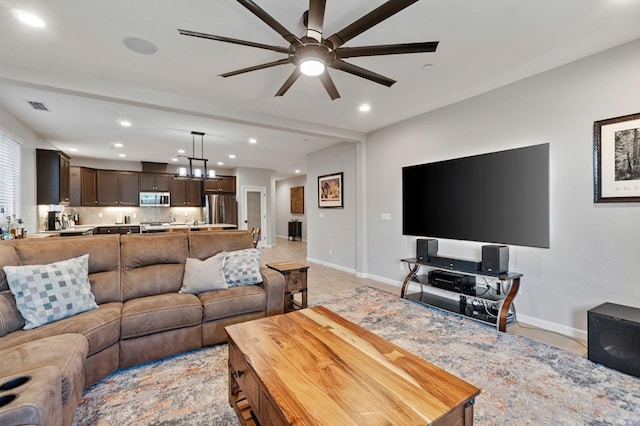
[83, 187]
[116, 188]
[220, 184]
[155, 182]
[186, 192]
[52, 181]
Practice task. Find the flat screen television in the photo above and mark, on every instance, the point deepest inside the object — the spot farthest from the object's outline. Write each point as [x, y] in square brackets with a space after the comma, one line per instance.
[500, 197]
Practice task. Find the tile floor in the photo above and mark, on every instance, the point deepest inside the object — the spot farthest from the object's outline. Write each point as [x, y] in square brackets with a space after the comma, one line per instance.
[324, 280]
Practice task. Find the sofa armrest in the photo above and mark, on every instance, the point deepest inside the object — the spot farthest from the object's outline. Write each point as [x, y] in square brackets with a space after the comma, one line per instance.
[273, 284]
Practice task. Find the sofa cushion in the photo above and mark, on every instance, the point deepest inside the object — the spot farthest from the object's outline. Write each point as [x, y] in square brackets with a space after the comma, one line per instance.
[242, 267]
[104, 259]
[203, 275]
[48, 293]
[100, 326]
[232, 302]
[152, 263]
[8, 257]
[203, 245]
[10, 318]
[153, 314]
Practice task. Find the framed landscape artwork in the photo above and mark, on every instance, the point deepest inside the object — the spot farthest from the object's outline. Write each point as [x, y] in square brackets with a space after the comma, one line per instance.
[330, 190]
[616, 159]
[296, 197]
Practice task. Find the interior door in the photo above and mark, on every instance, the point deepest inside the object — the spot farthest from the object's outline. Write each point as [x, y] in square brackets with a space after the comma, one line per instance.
[254, 210]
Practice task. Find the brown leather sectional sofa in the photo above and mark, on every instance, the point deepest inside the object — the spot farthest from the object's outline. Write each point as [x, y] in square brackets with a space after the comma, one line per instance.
[141, 316]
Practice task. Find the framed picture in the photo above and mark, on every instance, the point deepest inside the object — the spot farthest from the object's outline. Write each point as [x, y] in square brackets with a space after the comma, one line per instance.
[296, 198]
[330, 190]
[616, 159]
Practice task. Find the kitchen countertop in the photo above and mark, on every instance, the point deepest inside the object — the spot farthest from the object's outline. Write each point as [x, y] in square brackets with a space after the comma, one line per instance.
[160, 226]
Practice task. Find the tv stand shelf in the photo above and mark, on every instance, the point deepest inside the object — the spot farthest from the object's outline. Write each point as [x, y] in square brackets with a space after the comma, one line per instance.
[493, 306]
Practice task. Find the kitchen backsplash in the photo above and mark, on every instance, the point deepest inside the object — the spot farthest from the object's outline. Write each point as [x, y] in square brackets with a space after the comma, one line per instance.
[110, 215]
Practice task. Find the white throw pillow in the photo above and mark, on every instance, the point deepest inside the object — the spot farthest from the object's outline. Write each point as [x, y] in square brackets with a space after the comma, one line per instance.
[242, 267]
[203, 275]
[47, 293]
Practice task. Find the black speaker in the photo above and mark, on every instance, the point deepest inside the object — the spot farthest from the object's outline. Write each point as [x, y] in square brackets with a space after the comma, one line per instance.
[495, 259]
[426, 249]
[614, 337]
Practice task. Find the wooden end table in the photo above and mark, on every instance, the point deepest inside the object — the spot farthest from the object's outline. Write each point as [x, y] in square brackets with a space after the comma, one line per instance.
[314, 367]
[295, 276]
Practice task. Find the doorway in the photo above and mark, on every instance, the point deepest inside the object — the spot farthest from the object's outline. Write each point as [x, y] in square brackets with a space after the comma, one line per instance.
[254, 210]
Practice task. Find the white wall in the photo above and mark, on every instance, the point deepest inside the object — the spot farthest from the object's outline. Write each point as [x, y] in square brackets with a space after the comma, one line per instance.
[30, 141]
[595, 254]
[331, 233]
[283, 206]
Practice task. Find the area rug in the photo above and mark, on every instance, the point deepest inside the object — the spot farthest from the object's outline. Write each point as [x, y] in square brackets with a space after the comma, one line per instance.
[522, 381]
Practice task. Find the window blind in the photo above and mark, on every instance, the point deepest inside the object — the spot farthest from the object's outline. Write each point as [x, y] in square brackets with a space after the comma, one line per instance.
[10, 165]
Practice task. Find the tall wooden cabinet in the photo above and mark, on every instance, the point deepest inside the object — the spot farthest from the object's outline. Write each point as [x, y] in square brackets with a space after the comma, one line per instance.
[52, 177]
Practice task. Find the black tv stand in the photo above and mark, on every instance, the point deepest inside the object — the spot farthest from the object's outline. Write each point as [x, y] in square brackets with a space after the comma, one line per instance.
[488, 305]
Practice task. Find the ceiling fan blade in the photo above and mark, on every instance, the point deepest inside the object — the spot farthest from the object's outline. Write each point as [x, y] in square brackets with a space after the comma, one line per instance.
[270, 21]
[287, 84]
[386, 49]
[369, 20]
[362, 72]
[284, 50]
[256, 67]
[327, 82]
[315, 19]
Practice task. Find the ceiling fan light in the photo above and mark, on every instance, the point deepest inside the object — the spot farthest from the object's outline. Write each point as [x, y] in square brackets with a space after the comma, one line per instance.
[312, 67]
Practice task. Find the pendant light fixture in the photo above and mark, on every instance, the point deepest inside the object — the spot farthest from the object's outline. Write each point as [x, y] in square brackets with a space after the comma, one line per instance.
[197, 173]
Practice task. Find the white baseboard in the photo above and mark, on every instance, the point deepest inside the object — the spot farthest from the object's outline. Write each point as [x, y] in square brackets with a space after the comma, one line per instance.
[384, 280]
[552, 326]
[331, 265]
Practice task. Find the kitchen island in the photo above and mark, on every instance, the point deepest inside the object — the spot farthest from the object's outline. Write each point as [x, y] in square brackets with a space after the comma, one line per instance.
[143, 228]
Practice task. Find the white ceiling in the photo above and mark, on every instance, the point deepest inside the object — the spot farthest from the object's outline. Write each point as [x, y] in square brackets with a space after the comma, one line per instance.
[80, 69]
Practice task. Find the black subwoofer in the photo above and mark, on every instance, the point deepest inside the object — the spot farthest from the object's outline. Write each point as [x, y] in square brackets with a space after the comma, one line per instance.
[614, 337]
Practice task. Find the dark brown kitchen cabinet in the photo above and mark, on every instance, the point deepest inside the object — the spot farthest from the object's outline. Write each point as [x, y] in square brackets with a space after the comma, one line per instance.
[220, 184]
[116, 188]
[52, 177]
[83, 187]
[186, 192]
[155, 182]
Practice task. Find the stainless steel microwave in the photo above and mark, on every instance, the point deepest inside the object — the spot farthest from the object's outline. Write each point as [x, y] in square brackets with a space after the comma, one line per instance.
[155, 199]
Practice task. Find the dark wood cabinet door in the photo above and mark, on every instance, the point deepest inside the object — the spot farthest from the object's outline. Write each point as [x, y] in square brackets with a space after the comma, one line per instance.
[88, 189]
[178, 192]
[228, 184]
[194, 193]
[129, 189]
[65, 193]
[107, 187]
[154, 182]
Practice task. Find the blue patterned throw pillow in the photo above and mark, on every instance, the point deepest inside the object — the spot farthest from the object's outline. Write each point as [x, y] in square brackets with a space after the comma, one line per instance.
[242, 267]
[47, 293]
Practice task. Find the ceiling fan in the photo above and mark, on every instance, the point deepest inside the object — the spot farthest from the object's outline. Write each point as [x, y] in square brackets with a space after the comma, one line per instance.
[312, 54]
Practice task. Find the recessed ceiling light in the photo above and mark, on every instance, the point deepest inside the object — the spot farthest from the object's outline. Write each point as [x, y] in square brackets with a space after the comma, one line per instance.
[220, 163]
[253, 140]
[118, 145]
[174, 159]
[297, 171]
[181, 151]
[364, 107]
[232, 156]
[140, 45]
[125, 123]
[28, 18]
[73, 149]
[122, 155]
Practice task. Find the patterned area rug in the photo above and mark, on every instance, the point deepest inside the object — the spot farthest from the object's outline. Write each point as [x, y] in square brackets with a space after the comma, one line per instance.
[522, 381]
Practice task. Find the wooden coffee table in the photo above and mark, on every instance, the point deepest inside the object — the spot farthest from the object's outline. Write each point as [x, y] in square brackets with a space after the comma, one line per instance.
[314, 367]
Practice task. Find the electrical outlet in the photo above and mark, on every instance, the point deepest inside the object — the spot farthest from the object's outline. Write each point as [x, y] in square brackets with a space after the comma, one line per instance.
[330, 252]
[401, 265]
[186, 214]
[99, 214]
[385, 216]
[134, 215]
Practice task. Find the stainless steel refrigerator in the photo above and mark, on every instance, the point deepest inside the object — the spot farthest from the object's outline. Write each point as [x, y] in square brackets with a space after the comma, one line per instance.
[221, 209]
